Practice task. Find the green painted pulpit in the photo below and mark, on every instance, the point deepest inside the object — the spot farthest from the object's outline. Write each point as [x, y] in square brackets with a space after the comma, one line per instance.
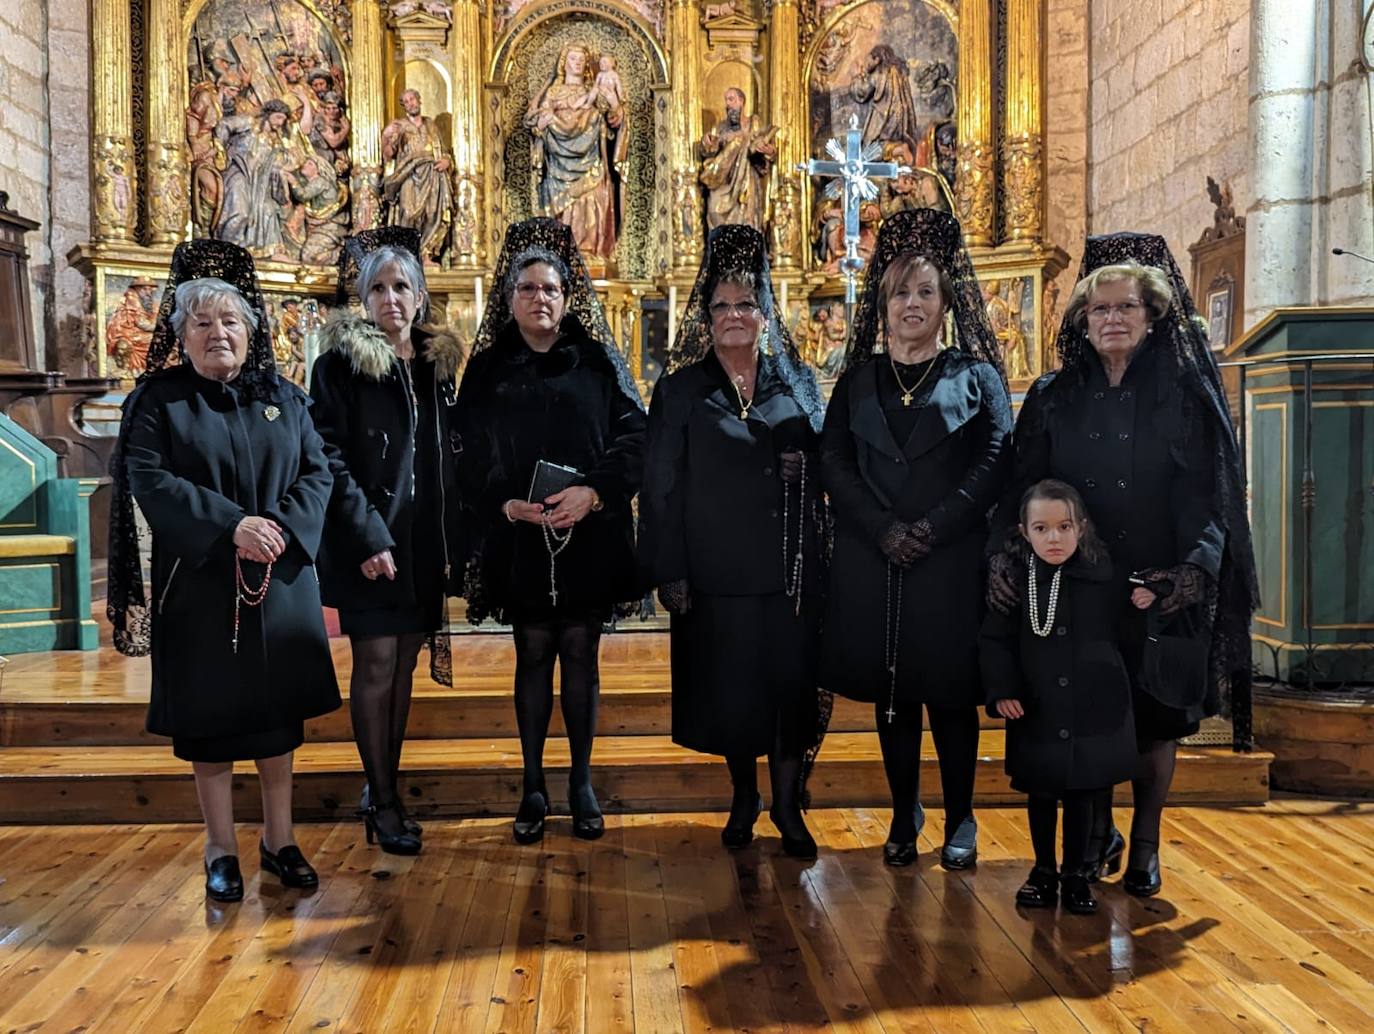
[45, 549]
[1306, 380]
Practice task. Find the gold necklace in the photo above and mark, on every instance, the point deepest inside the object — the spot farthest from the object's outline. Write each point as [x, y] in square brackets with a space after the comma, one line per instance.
[909, 393]
[744, 406]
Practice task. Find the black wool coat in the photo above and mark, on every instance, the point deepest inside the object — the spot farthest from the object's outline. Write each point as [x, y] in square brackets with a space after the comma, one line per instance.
[393, 463]
[1077, 732]
[201, 456]
[951, 470]
[565, 406]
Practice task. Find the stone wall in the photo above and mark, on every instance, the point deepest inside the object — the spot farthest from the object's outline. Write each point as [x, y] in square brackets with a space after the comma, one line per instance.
[44, 157]
[1169, 100]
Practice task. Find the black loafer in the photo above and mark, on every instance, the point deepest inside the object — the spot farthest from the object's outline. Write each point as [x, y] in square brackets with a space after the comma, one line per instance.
[1143, 883]
[528, 827]
[961, 850]
[1041, 889]
[289, 866]
[1076, 895]
[736, 835]
[899, 856]
[223, 881]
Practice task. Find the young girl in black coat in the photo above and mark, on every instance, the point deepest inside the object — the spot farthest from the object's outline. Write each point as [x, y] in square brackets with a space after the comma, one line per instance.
[1053, 670]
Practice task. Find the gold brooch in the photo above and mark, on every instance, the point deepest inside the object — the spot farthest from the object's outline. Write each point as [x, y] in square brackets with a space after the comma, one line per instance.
[271, 412]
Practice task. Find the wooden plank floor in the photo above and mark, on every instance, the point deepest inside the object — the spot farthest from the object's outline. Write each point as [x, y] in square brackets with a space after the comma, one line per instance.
[1266, 923]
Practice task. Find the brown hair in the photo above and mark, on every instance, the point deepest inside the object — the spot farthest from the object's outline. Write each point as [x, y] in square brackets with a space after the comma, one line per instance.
[902, 267]
[1053, 490]
[1154, 288]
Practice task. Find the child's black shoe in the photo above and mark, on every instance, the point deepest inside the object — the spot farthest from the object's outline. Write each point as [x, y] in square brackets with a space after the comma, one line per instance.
[1041, 889]
[1077, 895]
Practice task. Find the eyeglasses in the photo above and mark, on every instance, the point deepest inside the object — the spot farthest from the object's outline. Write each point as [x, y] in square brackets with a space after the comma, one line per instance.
[530, 291]
[720, 310]
[1126, 310]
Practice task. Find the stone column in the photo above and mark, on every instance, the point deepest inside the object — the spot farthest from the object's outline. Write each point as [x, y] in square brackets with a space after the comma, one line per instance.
[787, 112]
[684, 45]
[977, 177]
[113, 173]
[168, 175]
[1023, 154]
[367, 100]
[468, 63]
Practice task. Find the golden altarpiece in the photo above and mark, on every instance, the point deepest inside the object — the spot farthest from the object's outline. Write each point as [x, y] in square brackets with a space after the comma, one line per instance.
[286, 124]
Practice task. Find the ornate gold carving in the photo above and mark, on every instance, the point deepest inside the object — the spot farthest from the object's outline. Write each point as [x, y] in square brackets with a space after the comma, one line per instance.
[467, 223]
[168, 176]
[1049, 321]
[115, 183]
[1022, 167]
[976, 180]
[975, 194]
[114, 175]
[367, 197]
[1023, 147]
[786, 228]
[687, 224]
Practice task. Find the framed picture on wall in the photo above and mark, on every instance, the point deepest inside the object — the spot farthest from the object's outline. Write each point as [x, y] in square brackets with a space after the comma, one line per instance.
[1219, 306]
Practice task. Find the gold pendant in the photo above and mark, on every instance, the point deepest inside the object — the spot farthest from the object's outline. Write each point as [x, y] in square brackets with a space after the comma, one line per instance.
[744, 414]
[906, 399]
[271, 412]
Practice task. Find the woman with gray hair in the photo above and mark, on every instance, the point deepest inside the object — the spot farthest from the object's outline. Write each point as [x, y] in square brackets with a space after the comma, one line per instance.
[552, 428]
[383, 389]
[221, 456]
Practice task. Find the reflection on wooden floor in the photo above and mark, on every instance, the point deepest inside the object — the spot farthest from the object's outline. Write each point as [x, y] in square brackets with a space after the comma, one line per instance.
[1266, 923]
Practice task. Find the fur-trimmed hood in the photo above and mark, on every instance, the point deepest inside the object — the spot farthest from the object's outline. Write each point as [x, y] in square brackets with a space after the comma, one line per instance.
[371, 355]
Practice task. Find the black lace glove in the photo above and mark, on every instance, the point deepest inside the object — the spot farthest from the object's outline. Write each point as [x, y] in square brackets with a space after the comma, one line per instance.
[1176, 587]
[1003, 594]
[791, 465]
[923, 535]
[675, 596]
[899, 544]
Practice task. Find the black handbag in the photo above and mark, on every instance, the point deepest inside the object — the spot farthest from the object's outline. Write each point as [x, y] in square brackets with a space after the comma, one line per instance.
[550, 479]
[1173, 666]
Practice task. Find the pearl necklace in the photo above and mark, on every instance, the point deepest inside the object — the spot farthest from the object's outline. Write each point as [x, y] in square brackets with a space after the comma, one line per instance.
[1033, 593]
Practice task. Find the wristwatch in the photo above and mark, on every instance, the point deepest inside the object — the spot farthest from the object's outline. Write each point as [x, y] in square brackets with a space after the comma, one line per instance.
[597, 504]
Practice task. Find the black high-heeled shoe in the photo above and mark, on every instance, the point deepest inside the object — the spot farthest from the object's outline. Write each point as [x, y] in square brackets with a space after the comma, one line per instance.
[1109, 858]
[736, 835]
[588, 823]
[401, 843]
[412, 827]
[1075, 894]
[961, 850]
[1041, 889]
[528, 827]
[901, 853]
[803, 847]
[289, 866]
[223, 880]
[1144, 881]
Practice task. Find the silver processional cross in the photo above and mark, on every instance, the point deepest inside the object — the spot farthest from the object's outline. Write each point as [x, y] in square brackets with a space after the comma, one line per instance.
[854, 169]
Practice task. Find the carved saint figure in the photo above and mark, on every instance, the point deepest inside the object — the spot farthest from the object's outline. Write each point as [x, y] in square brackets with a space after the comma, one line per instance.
[1006, 324]
[736, 157]
[419, 188]
[256, 203]
[884, 88]
[129, 331]
[203, 114]
[576, 152]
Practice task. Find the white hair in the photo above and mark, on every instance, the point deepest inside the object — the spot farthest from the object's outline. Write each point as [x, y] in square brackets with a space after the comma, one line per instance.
[375, 261]
[208, 292]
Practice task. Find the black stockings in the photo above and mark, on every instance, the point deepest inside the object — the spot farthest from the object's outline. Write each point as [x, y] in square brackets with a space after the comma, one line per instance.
[784, 773]
[379, 706]
[574, 645]
[1042, 810]
[1151, 789]
[955, 732]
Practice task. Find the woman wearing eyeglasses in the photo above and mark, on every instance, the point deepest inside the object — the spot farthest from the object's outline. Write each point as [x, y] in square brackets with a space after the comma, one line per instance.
[552, 428]
[732, 524]
[1136, 419]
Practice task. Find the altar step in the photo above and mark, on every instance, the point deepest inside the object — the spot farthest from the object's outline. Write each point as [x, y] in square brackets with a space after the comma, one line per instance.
[476, 776]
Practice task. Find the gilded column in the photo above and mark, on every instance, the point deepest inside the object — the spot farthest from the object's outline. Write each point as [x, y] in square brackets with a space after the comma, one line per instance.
[1023, 155]
[115, 182]
[168, 175]
[367, 99]
[684, 44]
[465, 41]
[977, 177]
[787, 113]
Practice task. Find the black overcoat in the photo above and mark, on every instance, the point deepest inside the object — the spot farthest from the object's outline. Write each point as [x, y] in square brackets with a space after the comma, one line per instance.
[516, 407]
[393, 466]
[951, 470]
[1077, 732]
[1142, 457]
[201, 456]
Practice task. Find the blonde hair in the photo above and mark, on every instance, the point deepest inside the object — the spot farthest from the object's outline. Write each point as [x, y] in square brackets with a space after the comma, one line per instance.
[1155, 292]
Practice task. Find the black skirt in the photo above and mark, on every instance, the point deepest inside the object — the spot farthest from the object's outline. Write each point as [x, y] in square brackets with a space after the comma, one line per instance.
[251, 746]
[387, 621]
[743, 668]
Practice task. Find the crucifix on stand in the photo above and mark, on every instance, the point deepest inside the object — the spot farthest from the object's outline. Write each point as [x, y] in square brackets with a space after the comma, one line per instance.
[854, 169]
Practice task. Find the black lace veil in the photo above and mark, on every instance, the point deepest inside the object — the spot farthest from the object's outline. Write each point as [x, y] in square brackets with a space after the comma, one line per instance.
[936, 236]
[1180, 334]
[580, 297]
[359, 245]
[735, 248]
[126, 600]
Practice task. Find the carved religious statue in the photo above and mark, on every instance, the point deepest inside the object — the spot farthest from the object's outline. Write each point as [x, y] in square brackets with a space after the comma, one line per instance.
[580, 139]
[418, 191]
[736, 157]
[129, 331]
[256, 202]
[1006, 324]
[883, 88]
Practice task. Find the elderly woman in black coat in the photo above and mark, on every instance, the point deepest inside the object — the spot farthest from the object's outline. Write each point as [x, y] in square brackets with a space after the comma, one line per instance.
[913, 455]
[552, 432]
[221, 456]
[1136, 419]
[732, 530]
[383, 391]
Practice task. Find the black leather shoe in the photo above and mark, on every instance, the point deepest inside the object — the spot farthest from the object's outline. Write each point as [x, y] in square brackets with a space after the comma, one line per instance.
[961, 850]
[1146, 882]
[899, 856]
[401, 843]
[223, 881]
[803, 847]
[1109, 862]
[738, 834]
[411, 826]
[289, 866]
[1041, 889]
[1076, 895]
[588, 823]
[528, 827]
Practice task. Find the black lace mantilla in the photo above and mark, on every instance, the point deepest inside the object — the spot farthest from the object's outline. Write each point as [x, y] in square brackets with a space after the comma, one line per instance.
[360, 245]
[938, 237]
[743, 249]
